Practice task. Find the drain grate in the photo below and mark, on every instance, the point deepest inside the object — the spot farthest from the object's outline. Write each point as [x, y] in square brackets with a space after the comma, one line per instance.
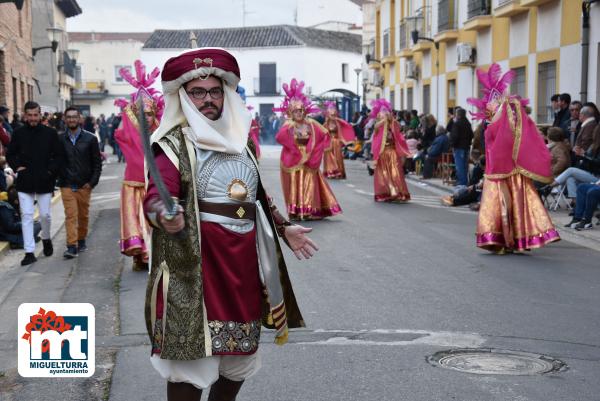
[490, 361]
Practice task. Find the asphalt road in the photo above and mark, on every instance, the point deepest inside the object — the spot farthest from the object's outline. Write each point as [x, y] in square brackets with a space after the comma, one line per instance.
[391, 285]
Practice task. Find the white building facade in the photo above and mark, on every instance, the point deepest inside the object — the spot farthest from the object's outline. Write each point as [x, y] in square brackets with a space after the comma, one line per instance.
[101, 55]
[272, 55]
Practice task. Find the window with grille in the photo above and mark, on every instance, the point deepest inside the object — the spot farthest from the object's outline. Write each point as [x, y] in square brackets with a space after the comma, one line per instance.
[546, 88]
[519, 83]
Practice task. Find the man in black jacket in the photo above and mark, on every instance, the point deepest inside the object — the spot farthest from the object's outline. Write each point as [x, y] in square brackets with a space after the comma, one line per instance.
[460, 141]
[34, 154]
[80, 172]
[563, 117]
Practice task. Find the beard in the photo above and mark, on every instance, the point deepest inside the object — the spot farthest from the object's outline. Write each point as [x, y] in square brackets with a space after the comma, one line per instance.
[210, 111]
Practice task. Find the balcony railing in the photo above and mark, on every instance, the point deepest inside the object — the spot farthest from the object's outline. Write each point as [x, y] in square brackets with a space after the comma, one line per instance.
[90, 86]
[447, 15]
[386, 43]
[404, 35]
[90, 90]
[503, 2]
[267, 86]
[477, 8]
[68, 65]
[424, 21]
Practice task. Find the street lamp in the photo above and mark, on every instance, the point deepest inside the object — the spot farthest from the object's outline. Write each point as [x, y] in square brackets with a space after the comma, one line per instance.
[357, 71]
[414, 34]
[54, 34]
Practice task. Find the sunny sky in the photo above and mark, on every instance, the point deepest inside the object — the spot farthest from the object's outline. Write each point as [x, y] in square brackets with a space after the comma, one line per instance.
[148, 15]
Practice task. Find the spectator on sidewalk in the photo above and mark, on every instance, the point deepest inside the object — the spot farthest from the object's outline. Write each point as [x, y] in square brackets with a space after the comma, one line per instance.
[574, 122]
[586, 172]
[588, 199]
[563, 117]
[4, 138]
[16, 122]
[439, 146]
[472, 193]
[80, 172]
[588, 125]
[4, 113]
[460, 141]
[559, 149]
[10, 220]
[34, 154]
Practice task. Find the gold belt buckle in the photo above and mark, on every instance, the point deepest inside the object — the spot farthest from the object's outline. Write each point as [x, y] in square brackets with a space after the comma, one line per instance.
[240, 212]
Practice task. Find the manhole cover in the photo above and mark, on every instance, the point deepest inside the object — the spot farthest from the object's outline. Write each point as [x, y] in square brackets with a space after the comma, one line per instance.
[495, 362]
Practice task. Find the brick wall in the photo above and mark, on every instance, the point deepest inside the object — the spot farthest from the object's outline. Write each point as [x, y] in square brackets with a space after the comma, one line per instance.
[15, 55]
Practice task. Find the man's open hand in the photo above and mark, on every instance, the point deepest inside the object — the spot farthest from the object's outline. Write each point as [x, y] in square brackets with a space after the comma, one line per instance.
[301, 245]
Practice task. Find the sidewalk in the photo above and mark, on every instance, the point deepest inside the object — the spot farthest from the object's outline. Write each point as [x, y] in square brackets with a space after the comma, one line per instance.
[4, 245]
[587, 238]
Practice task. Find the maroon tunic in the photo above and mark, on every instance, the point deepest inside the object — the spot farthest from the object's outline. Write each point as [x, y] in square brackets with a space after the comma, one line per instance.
[230, 274]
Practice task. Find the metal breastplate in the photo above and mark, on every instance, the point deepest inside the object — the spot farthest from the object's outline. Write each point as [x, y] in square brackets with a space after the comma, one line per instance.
[226, 178]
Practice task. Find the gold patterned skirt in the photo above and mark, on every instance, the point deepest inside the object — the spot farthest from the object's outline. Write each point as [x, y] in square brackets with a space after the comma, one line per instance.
[333, 161]
[512, 216]
[134, 229]
[389, 182]
[307, 194]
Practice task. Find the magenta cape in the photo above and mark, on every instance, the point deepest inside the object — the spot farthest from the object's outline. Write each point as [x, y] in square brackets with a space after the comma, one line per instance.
[254, 137]
[514, 145]
[292, 156]
[379, 139]
[345, 132]
[130, 143]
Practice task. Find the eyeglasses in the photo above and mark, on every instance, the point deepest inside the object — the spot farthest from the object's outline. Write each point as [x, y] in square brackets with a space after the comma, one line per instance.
[216, 93]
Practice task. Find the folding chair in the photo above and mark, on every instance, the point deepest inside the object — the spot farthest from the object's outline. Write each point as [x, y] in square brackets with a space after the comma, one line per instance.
[556, 197]
[448, 166]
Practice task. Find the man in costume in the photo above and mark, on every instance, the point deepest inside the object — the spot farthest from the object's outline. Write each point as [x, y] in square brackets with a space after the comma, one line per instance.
[339, 134]
[213, 284]
[134, 230]
[389, 149]
[512, 216]
[307, 194]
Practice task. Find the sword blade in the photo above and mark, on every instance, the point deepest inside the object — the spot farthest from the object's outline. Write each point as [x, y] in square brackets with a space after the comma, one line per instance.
[163, 192]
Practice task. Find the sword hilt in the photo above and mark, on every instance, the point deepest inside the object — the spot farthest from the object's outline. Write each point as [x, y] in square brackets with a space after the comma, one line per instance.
[170, 215]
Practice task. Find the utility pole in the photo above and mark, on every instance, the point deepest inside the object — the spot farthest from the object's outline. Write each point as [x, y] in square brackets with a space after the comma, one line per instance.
[244, 13]
[296, 14]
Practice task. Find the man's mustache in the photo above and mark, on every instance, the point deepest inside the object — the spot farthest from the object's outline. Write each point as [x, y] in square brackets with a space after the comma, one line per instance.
[208, 106]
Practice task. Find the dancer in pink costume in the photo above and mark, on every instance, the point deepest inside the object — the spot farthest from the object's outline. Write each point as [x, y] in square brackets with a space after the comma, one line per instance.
[254, 133]
[306, 192]
[389, 150]
[134, 230]
[512, 216]
[339, 134]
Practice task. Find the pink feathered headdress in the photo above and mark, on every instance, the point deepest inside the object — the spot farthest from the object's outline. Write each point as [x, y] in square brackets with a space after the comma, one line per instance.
[495, 88]
[331, 107]
[144, 81]
[379, 105]
[295, 98]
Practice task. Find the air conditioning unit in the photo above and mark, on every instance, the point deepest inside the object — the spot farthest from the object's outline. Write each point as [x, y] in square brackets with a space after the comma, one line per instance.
[465, 54]
[412, 71]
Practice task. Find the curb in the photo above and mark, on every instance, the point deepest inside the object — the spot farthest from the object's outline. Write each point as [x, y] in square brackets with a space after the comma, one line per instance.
[442, 187]
[578, 237]
[4, 246]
